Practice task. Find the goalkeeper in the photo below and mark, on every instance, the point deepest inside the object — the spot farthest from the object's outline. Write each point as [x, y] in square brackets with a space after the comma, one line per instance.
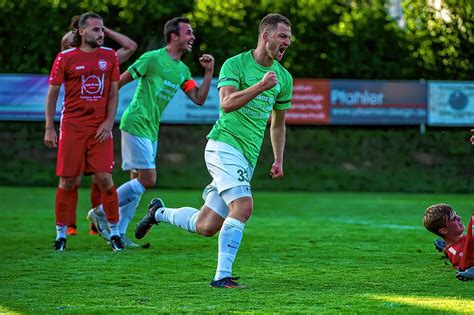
[443, 221]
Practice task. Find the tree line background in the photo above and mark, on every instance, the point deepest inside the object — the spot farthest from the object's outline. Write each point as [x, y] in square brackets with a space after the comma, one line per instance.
[332, 38]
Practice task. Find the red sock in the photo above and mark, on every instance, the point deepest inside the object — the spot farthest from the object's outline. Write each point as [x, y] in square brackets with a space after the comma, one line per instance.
[72, 207]
[95, 195]
[63, 199]
[109, 200]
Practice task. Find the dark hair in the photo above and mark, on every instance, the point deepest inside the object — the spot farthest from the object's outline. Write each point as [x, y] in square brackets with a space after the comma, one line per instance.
[270, 22]
[172, 26]
[74, 22]
[81, 22]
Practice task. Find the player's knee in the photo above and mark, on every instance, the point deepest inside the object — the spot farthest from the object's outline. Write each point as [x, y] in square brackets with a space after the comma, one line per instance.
[67, 183]
[241, 211]
[147, 180]
[103, 180]
[246, 213]
[206, 229]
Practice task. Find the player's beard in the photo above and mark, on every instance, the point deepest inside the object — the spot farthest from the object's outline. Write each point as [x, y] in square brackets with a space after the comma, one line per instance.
[94, 43]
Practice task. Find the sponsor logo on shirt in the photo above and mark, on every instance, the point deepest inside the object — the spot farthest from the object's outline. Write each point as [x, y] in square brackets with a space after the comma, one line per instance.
[92, 86]
[80, 67]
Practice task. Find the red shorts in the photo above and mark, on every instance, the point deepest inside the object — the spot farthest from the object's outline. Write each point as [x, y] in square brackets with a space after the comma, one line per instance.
[79, 152]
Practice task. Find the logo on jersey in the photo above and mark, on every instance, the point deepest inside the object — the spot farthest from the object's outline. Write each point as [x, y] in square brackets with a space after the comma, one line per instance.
[102, 64]
[92, 85]
[277, 88]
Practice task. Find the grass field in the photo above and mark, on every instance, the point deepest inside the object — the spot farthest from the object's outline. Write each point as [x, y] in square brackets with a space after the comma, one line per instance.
[301, 253]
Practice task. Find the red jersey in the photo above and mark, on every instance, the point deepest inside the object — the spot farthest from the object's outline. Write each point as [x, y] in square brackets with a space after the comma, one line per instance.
[87, 77]
[461, 253]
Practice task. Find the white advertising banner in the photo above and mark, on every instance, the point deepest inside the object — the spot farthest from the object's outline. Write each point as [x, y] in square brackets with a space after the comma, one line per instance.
[450, 103]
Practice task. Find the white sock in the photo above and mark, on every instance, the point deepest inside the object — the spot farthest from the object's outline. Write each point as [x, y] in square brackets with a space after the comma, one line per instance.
[114, 231]
[229, 242]
[129, 195]
[126, 215]
[184, 218]
[60, 231]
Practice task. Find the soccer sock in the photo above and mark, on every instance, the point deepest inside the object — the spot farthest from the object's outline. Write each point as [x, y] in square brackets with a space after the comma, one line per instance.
[114, 229]
[72, 208]
[60, 231]
[229, 242]
[95, 195]
[63, 199]
[184, 218]
[110, 203]
[129, 195]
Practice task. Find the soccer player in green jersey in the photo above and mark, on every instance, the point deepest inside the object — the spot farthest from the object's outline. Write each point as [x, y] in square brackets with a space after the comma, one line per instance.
[251, 86]
[160, 73]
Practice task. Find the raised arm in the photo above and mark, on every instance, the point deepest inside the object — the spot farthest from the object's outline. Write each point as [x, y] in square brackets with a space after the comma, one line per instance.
[199, 94]
[128, 46]
[277, 137]
[50, 136]
[232, 99]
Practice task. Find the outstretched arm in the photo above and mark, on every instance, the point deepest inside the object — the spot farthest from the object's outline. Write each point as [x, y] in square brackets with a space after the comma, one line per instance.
[199, 94]
[128, 46]
[277, 137]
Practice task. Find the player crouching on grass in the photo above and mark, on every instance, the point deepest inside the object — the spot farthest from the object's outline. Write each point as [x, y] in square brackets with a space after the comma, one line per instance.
[443, 221]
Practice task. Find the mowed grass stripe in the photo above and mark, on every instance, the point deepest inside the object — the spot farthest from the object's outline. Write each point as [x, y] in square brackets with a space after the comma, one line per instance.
[301, 252]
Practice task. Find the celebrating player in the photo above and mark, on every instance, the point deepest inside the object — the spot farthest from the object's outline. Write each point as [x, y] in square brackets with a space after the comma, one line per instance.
[443, 221]
[90, 74]
[160, 73]
[251, 86]
[126, 50]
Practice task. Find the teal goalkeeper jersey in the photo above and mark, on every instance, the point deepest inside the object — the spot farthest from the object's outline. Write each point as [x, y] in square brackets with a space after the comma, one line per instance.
[160, 78]
[244, 129]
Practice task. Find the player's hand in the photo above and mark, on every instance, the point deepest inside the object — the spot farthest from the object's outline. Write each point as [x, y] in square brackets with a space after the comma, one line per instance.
[207, 62]
[50, 138]
[277, 170]
[269, 80]
[104, 132]
[472, 136]
[466, 275]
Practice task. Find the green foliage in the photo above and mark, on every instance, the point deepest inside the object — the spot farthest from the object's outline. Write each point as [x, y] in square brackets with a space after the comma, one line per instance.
[316, 159]
[332, 38]
[30, 40]
[441, 38]
[311, 253]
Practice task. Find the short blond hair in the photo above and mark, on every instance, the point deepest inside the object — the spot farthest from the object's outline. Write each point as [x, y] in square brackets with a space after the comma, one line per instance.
[435, 217]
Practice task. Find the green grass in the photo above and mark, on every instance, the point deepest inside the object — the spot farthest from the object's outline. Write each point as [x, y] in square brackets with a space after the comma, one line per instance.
[301, 253]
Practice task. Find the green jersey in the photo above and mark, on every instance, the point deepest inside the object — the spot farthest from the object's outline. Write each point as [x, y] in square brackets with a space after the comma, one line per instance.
[244, 128]
[160, 78]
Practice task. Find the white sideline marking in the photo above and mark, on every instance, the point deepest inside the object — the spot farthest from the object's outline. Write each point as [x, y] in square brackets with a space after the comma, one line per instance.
[377, 225]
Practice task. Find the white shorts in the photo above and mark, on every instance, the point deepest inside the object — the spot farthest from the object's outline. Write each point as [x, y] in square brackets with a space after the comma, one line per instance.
[138, 153]
[231, 174]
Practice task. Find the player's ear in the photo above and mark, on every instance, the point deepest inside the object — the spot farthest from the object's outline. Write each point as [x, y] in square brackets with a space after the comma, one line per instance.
[443, 231]
[81, 31]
